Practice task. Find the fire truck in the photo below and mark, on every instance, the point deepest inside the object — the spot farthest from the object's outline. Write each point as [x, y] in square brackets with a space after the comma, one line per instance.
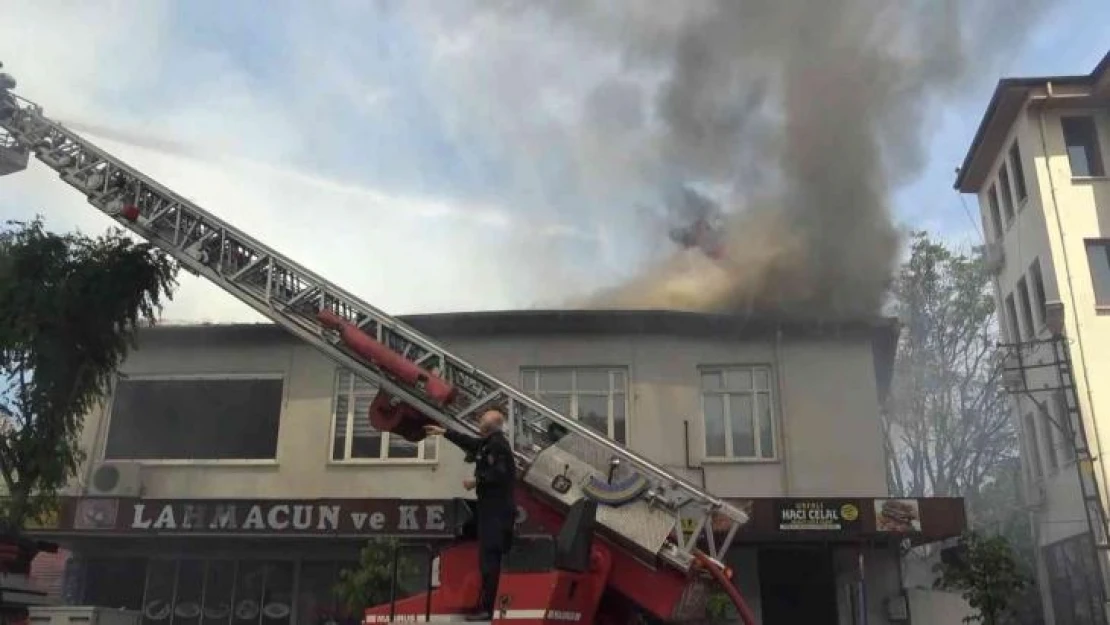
[622, 537]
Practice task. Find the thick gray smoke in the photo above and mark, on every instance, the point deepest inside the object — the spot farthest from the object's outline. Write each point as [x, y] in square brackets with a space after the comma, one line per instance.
[801, 116]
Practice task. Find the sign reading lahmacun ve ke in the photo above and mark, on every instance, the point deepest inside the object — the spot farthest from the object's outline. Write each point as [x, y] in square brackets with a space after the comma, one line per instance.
[332, 517]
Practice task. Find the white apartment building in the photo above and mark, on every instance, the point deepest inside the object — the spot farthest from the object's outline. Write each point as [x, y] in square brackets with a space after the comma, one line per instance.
[1038, 164]
[235, 460]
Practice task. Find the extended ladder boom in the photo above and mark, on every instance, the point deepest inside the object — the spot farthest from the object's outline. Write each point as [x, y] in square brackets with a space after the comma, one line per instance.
[547, 444]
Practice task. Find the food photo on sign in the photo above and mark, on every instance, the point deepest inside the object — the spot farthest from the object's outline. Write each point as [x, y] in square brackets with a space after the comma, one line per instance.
[901, 516]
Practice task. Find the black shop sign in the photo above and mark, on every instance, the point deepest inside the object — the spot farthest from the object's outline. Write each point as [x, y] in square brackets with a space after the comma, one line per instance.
[818, 515]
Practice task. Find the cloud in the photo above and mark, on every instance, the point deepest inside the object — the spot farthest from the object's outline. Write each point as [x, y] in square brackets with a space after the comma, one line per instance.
[278, 158]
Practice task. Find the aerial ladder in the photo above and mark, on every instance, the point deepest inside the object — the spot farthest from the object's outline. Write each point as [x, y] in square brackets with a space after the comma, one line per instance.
[660, 540]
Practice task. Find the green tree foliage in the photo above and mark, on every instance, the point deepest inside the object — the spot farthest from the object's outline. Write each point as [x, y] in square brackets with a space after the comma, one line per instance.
[948, 423]
[719, 608]
[986, 572]
[368, 584]
[69, 308]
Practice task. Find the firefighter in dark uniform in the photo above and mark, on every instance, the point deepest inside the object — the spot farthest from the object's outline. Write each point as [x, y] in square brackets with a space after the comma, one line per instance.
[494, 479]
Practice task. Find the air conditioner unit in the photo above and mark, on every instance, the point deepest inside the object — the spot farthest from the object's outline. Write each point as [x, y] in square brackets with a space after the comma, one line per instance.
[995, 257]
[115, 479]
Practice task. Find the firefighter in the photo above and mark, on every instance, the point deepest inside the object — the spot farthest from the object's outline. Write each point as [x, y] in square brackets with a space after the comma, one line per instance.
[494, 478]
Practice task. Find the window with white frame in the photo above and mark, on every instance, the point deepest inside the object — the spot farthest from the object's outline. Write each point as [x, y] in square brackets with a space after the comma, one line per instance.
[1026, 304]
[353, 438]
[1081, 140]
[1067, 424]
[1040, 299]
[1033, 448]
[1098, 259]
[738, 410]
[1012, 319]
[1019, 171]
[1007, 193]
[995, 216]
[595, 396]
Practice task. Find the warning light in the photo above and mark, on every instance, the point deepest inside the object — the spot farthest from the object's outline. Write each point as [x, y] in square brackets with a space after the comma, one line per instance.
[130, 212]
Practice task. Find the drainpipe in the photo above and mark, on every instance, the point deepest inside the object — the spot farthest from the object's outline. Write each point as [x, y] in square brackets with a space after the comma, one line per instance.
[691, 467]
[778, 421]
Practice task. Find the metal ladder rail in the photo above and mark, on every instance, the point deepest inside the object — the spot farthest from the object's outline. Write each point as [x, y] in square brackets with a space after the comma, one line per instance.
[290, 295]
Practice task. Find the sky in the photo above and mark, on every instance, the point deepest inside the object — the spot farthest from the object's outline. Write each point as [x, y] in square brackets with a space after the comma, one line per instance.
[380, 143]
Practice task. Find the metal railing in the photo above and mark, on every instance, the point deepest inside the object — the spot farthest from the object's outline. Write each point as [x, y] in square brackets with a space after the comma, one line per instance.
[430, 552]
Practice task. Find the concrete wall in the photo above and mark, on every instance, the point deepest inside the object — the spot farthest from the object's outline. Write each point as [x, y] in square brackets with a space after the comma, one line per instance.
[827, 415]
[1051, 226]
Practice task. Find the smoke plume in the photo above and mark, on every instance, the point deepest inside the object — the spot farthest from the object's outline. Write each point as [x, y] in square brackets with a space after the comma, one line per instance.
[801, 116]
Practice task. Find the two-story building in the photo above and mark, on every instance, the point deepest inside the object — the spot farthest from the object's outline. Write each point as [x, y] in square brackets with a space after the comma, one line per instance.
[233, 470]
[1038, 166]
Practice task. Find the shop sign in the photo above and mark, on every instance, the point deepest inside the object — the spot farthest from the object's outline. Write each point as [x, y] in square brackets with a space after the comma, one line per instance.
[822, 515]
[327, 517]
[901, 516]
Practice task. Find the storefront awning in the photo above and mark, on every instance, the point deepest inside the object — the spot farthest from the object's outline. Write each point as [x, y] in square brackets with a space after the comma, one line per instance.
[772, 520]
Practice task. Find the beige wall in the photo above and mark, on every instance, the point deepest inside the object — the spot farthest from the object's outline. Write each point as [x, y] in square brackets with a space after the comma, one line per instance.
[1061, 212]
[827, 409]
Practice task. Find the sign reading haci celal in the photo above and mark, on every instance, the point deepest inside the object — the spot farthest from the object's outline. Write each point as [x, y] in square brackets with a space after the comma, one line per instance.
[321, 517]
[823, 515]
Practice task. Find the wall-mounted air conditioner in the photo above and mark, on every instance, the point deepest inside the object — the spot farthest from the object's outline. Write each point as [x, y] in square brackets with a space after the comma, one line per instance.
[995, 257]
[115, 479]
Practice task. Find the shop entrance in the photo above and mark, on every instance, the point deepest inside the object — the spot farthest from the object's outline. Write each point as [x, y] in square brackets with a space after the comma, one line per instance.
[797, 585]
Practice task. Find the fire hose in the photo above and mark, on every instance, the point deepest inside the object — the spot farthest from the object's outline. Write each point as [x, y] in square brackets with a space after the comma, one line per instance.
[718, 573]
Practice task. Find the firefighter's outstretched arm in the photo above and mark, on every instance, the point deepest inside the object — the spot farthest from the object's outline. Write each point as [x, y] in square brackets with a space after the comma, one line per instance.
[465, 442]
[468, 444]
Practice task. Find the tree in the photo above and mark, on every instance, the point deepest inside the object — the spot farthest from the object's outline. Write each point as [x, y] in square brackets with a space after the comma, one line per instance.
[948, 424]
[369, 583]
[69, 309]
[985, 571]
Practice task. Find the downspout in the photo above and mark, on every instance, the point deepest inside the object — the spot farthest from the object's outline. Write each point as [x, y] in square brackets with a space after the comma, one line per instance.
[779, 420]
[1073, 308]
[700, 469]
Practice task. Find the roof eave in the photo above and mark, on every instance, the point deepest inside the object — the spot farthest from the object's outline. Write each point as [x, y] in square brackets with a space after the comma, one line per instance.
[970, 177]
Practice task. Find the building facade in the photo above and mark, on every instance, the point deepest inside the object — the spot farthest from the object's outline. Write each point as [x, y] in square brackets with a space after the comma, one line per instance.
[236, 461]
[1038, 167]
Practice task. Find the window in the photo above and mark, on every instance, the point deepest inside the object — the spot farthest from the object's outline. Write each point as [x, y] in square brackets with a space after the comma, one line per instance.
[1098, 258]
[353, 438]
[738, 413]
[1007, 194]
[1026, 308]
[1032, 448]
[1073, 580]
[1019, 171]
[996, 215]
[595, 396]
[1067, 421]
[1081, 139]
[197, 418]
[1012, 319]
[1040, 300]
[1051, 437]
